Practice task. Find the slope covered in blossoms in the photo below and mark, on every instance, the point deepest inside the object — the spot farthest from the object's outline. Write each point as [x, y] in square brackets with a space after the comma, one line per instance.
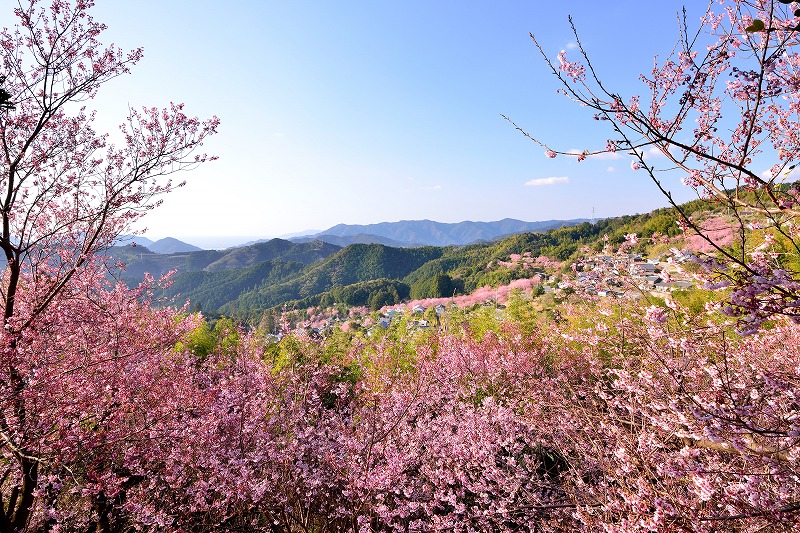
[608, 418]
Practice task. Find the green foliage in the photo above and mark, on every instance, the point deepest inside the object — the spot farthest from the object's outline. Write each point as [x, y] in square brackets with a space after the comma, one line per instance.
[374, 275]
[695, 300]
[368, 293]
[269, 322]
[755, 26]
[221, 337]
[337, 346]
[226, 333]
[431, 316]
[482, 320]
[286, 353]
[522, 312]
[438, 286]
[200, 342]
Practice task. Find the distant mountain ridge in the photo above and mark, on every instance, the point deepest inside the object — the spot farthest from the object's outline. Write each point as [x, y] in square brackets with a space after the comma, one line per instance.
[139, 260]
[167, 245]
[432, 233]
[170, 245]
[245, 282]
[402, 234]
[361, 238]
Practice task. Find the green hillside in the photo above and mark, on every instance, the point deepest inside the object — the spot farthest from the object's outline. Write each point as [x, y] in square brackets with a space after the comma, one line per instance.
[139, 260]
[213, 290]
[353, 264]
[243, 282]
[246, 256]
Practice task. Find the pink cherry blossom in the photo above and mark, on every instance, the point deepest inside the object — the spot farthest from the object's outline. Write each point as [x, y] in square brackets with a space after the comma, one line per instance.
[716, 112]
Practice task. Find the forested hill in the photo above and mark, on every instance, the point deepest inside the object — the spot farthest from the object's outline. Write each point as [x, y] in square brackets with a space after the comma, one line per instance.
[139, 260]
[353, 264]
[243, 282]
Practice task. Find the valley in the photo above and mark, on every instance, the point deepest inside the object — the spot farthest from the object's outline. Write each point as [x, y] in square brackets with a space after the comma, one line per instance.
[244, 282]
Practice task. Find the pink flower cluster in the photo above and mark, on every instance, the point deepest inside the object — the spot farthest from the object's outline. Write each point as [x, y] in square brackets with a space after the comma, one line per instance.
[613, 422]
[526, 262]
[716, 229]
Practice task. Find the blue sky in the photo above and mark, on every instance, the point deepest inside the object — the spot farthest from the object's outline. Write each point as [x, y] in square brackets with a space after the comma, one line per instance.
[362, 112]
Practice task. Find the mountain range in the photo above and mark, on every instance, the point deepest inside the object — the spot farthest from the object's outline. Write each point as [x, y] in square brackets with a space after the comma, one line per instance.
[406, 233]
[167, 245]
[402, 234]
[245, 281]
[139, 259]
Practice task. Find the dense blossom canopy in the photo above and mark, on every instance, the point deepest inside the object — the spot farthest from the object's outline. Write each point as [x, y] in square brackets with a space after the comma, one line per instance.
[120, 415]
[71, 347]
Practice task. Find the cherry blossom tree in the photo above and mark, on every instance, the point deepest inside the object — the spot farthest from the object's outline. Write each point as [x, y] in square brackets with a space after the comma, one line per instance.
[103, 389]
[721, 110]
[67, 193]
[600, 421]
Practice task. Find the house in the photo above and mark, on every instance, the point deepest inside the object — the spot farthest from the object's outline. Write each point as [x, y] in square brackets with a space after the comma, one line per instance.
[679, 256]
[417, 309]
[641, 268]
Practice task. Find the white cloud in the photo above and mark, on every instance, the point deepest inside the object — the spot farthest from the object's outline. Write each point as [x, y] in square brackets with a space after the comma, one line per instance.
[652, 153]
[785, 175]
[432, 188]
[611, 169]
[571, 45]
[547, 181]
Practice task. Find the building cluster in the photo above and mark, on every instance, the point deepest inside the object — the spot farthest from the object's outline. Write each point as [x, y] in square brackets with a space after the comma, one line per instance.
[623, 275]
[626, 275]
[415, 317]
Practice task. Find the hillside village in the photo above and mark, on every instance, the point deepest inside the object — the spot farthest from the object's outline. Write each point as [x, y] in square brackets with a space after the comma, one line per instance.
[599, 275]
[629, 275]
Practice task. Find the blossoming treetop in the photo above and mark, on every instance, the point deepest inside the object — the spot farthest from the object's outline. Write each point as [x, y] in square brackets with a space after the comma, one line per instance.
[66, 193]
[720, 108]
